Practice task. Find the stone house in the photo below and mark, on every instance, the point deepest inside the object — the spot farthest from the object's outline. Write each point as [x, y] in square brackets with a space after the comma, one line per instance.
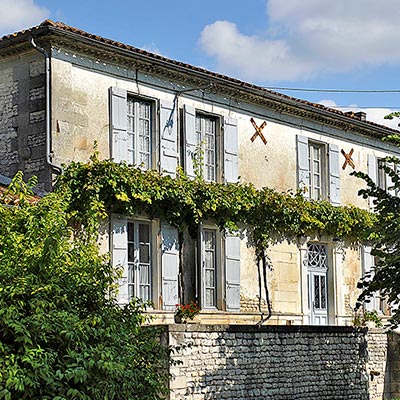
[62, 90]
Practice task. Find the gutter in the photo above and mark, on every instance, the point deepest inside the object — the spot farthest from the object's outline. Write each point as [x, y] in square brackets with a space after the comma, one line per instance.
[55, 168]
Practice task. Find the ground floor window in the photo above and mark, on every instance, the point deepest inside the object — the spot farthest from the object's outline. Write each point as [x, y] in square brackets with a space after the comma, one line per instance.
[139, 260]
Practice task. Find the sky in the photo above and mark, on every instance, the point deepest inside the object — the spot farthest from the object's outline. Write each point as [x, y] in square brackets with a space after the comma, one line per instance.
[349, 47]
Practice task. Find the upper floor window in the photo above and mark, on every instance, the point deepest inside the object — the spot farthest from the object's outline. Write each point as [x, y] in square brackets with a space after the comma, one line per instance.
[139, 118]
[209, 146]
[206, 138]
[317, 165]
[132, 133]
[318, 171]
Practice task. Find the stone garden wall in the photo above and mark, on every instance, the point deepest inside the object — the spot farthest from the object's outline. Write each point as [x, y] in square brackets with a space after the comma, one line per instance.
[277, 362]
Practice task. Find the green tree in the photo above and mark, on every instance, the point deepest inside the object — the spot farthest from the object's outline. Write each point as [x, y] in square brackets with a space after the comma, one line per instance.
[386, 240]
[62, 336]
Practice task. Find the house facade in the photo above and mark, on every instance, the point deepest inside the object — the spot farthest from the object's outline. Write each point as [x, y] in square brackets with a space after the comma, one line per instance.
[65, 93]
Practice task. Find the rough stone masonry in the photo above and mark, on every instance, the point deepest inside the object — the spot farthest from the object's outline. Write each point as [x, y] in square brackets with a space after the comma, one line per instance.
[275, 362]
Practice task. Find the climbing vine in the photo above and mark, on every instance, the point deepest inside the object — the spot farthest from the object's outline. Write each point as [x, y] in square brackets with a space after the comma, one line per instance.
[98, 188]
[101, 186]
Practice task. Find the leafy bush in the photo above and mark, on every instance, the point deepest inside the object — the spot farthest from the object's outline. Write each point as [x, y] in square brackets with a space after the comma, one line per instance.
[62, 336]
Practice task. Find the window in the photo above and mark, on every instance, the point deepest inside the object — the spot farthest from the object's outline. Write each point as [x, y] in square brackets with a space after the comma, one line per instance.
[209, 146]
[375, 301]
[206, 140]
[317, 168]
[384, 180]
[139, 126]
[132, 128]
[139, 260]
[219, 256]
[132, 254]
[209, 269]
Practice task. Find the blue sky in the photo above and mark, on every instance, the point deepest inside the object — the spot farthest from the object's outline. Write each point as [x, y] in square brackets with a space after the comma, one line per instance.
[320, 44]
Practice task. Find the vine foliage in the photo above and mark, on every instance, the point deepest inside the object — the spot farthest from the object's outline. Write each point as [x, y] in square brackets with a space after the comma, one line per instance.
[265, 216]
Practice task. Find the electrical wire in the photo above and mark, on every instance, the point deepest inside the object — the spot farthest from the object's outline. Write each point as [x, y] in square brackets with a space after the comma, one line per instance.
[333, 90]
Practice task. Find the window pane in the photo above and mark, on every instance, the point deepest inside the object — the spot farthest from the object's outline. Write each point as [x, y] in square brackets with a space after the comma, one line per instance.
[144, 253]
[144, 233]
[209, 278]
[210, 296]
[131, 252]
[131, 230]
[323, 292]
[316, 292]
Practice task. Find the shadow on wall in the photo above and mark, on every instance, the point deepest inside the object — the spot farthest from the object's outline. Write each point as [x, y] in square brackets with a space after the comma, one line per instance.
[269, 362]
[391, 379]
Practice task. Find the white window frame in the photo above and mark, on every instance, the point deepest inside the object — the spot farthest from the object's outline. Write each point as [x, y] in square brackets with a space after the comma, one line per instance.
[209, 171]
[376, 302]
[318, 192]
[384, 180]
[135, 287]
[218, 277]
[133, 131]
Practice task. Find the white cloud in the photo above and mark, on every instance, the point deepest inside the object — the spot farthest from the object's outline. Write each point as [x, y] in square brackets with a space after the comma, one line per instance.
[304, 38]
[373, 114]
[20, 14]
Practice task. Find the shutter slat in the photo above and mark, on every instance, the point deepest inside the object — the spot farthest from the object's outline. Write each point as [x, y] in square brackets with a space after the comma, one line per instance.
[303, 168]
[231, 171]
[334, 174]
[170, 266]
[169, 138]
[118, 124]
[190, 144]
[119, 249]
[368, 265]
[232, 272]
[373, 174]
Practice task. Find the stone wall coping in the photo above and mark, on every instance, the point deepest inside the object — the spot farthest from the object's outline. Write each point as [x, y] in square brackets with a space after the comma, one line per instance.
[190, 327]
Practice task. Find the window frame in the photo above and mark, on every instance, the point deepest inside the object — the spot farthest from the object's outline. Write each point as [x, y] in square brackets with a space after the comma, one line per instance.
[201, 143]
[134, 287]
[153, 131]
[219, 279]
[384, 181]
[324, 170]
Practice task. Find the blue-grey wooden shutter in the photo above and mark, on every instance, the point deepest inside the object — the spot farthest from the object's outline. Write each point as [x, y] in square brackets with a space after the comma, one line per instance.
[231, 171]
[190, 142]
[170, 266]
[232, 272]
[389, 180]
[169, 138]
[119, 254]
[373, 174]
[334, 175]
[118, 124]
[303, 166]
[372, 168]
[368, 270]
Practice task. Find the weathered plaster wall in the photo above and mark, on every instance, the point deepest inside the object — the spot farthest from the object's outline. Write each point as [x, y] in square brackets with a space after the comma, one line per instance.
[80, 99]
[22, 118]
[275, 362]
